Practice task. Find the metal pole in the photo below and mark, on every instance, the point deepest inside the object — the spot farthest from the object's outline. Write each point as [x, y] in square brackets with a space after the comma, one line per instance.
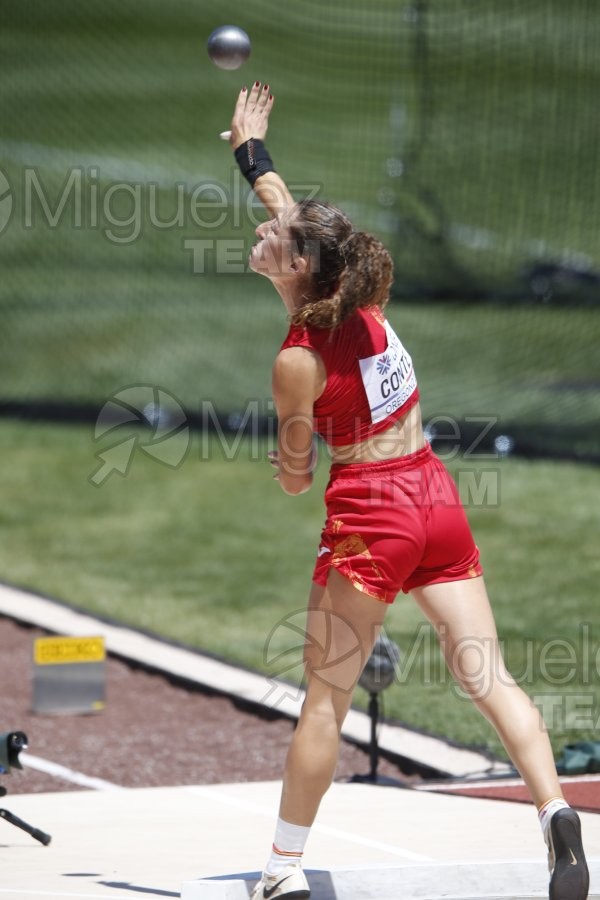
[374, 749]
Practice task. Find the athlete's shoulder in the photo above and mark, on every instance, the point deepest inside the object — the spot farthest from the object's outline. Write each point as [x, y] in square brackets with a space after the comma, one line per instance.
[378, 314]
[297, 336]
[298, 371]
[371, 314]
[295, 358]
[364, 319]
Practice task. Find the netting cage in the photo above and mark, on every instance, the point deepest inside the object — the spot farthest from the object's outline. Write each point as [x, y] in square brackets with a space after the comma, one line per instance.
[464, 134]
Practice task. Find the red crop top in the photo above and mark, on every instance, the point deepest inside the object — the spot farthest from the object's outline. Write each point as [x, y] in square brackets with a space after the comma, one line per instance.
[370, 377]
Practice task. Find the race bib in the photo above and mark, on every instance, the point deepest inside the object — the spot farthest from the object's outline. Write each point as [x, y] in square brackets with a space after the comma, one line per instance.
[388, 377]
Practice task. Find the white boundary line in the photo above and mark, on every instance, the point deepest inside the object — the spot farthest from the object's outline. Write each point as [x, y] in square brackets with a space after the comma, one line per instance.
[257, 809]
[71, 775]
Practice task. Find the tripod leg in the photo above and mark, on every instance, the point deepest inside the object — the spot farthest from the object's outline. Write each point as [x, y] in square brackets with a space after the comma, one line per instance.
[373, 749]
[40, 836]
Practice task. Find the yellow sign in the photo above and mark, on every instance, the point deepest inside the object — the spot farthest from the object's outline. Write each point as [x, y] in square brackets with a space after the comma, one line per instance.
[52, 651]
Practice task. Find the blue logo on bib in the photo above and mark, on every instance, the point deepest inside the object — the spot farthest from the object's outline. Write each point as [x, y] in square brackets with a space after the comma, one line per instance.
[383, 364]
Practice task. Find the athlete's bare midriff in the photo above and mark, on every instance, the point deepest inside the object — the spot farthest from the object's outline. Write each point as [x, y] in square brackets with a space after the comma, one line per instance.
[404, 436]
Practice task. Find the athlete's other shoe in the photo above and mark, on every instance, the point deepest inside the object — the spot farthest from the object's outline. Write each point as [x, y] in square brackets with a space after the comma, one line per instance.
[290, 883]
[570, 879]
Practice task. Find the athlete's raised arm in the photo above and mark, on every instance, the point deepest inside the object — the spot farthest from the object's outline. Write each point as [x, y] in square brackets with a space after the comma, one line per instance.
[248, 129]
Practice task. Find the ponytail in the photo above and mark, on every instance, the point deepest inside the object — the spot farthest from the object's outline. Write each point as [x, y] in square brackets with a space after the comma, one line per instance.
[354, 269]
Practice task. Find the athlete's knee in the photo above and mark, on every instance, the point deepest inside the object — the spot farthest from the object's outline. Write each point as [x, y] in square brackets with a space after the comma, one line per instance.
[325, 703]
[495, 698]
[318, 712]
[478, 667]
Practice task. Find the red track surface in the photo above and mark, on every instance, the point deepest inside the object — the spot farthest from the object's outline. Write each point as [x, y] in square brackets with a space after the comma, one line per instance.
[581, 791]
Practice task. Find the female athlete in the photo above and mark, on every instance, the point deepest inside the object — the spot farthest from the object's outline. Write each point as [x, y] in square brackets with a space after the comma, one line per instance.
[394, 520]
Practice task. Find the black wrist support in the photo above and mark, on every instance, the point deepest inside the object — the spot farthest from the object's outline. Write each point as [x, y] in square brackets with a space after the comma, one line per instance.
[254, 160]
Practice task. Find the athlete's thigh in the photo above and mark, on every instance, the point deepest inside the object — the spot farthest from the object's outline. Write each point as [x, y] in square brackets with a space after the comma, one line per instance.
[460, 612]
[342, 626]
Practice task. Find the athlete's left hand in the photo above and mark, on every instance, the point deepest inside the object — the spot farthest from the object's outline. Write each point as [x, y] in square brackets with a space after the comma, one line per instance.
[273, 457]
[251, 114]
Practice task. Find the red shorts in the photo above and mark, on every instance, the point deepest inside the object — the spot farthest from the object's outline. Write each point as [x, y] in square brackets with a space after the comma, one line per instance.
[395, 525]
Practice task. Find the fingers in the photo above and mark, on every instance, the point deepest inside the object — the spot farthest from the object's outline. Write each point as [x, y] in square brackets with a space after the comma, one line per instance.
[258, 96]
[248, 99]
[266, 101]
[241, 101]
[262, 114]
[251, 114]
[273, 458]
[255, 92]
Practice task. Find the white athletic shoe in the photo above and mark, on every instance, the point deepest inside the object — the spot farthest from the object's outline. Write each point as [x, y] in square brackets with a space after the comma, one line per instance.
[290, 883]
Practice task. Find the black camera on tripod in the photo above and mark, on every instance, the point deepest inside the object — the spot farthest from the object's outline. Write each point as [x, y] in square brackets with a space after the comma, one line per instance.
[11, 744]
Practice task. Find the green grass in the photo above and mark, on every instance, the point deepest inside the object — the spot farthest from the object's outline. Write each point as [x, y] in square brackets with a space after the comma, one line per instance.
[215, 555]
[199, 352]
[123, 93]
[126, 95]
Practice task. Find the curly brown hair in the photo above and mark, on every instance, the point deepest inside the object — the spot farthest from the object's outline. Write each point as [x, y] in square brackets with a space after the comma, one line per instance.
[349, 269]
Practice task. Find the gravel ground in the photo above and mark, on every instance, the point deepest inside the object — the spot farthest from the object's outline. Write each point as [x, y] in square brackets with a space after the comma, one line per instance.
[151, 733]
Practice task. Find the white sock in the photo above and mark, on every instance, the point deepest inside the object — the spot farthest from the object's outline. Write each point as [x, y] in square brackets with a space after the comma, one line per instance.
[288, 846]
[546, 812]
